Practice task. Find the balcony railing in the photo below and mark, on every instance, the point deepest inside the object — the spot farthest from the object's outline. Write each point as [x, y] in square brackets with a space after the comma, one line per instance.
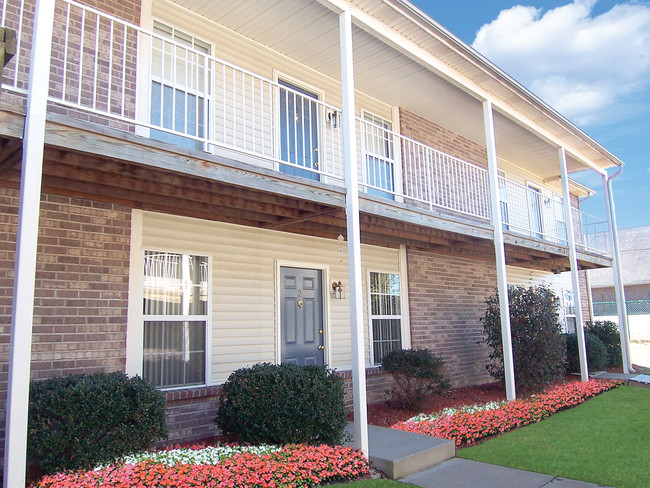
[185, 95]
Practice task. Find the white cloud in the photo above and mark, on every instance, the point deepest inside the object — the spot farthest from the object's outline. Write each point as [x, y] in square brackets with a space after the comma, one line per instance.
[581, 64]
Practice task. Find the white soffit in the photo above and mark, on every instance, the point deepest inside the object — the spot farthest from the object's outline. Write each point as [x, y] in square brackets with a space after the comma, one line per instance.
[308, 32]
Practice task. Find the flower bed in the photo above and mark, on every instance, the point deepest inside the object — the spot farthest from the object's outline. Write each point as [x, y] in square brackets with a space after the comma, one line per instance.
[466, 427]
[290, 466]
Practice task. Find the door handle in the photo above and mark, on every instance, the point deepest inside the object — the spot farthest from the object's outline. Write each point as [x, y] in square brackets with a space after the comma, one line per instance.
[320, 348]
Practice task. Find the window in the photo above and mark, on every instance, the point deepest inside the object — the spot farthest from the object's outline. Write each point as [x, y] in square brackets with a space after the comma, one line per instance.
[379, 155]
[503, 199]
[569, 312]
[179, 86]
[385, 314]
[560, 220]
[175, 309]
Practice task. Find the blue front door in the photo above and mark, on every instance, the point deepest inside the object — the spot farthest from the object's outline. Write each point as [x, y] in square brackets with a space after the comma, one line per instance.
[301, 317]
[298, 131]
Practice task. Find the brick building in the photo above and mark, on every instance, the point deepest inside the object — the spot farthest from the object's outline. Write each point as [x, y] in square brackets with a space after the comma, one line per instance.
[196, 212]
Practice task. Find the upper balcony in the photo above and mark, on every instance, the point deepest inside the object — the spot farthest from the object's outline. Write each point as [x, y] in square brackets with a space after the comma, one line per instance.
[277, 108]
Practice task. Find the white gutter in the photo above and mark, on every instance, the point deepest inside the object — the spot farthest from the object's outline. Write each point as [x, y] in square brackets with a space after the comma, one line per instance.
[618, 274]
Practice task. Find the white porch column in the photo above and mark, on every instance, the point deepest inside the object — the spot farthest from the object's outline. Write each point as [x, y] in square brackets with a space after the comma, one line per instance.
[354, 238]
[621, 307]
[500, 251]
[573, 261]
[27, 237]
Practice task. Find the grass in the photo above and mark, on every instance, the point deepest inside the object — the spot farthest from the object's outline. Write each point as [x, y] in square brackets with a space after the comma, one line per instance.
[602, 441]
[372, 484]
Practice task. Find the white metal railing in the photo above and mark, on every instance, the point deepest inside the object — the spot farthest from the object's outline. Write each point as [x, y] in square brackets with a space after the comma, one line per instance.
[592, 233]
[189, 97]
[396, 166]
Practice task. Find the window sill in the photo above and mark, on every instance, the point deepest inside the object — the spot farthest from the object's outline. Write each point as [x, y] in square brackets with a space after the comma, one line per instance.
[192, 393]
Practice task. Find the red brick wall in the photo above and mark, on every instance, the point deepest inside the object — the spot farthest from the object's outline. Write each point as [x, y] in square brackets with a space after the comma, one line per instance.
[426, 132]
[80, 303]
[447, 297]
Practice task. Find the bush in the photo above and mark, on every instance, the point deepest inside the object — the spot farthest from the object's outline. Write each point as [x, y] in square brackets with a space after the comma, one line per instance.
[282, 404]
[608, 333]
[77, 422]
[538, 349]
[417, 374]
[596, 353]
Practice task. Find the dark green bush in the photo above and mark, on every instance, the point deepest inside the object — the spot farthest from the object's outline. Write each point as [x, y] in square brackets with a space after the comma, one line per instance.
[77, 422]
[596, 353]
[283, 404]
[538, 349]
[608, 333]
[417, 373]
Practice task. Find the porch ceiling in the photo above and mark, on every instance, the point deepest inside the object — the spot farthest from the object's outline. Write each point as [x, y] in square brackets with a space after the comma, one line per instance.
[308, 32]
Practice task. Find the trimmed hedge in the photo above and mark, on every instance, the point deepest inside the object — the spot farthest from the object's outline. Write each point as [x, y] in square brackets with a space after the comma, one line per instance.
[417, 373]
[538, 348]
[608, 333]
[283, 404]
[78, 422]
[596, 353]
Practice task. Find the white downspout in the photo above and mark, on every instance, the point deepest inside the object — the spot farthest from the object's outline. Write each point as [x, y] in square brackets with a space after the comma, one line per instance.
[500, 251]
[573, 261]
[26, 241]
[354, 237]
[618, 273]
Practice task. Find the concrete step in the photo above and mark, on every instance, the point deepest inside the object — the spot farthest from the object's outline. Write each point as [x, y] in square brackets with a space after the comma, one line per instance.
[398, 453]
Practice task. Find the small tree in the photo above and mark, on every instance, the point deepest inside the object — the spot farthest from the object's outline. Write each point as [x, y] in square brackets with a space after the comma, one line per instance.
[417, 373]
[538, 348]
[608, 333]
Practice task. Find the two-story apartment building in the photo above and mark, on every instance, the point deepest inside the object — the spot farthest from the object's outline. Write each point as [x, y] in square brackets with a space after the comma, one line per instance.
[209, 168]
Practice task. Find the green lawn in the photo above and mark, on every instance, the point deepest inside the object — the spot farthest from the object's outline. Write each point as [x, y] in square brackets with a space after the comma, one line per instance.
[604, 440]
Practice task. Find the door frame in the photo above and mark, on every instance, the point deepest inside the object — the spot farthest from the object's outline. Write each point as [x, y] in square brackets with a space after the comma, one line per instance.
[324, 269]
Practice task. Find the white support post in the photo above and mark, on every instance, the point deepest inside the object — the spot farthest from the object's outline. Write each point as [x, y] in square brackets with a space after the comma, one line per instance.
[573, 261]
[500, 251]
[621, 307]
[354, 237]
[27, 238]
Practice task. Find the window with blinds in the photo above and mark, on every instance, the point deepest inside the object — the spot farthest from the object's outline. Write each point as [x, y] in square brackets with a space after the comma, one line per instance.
[175, 310]
[385, 314]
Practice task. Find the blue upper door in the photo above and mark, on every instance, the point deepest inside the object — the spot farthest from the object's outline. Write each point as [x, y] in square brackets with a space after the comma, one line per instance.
[298, 131]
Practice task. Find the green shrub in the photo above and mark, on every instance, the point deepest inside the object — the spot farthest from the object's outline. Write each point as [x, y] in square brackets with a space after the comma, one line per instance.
[417, 373]
[283, 404]
[596, 353]
[538, 349]
[608, 333]
[77, 422]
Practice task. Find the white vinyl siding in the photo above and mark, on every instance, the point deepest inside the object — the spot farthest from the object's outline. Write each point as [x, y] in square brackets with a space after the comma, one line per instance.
[243, 298]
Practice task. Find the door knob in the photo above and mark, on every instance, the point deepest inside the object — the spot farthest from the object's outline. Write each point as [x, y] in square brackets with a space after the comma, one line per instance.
[320, 348]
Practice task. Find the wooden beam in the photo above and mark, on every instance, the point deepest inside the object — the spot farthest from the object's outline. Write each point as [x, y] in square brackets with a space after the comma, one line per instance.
[304, 218]
[11, 154]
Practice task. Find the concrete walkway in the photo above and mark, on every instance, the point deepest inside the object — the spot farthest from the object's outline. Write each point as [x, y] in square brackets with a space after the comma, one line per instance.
[463, 473]
[633, 379]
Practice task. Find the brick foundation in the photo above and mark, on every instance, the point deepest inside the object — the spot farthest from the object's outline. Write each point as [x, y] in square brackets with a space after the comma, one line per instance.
[447, 299]
[80, 303]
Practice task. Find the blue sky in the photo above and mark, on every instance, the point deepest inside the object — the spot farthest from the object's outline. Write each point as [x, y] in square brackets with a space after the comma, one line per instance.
[590, 60]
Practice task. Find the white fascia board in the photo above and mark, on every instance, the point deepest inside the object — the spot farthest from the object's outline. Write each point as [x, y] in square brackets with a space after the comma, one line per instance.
[424, 58]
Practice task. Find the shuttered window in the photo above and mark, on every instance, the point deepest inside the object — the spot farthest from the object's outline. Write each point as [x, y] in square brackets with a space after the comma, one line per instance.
[385, 314]
[175, 310]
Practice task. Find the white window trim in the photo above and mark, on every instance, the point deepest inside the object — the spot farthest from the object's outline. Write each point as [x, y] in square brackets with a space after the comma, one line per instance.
[135, 315]
[405, 344]
[325, 277]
